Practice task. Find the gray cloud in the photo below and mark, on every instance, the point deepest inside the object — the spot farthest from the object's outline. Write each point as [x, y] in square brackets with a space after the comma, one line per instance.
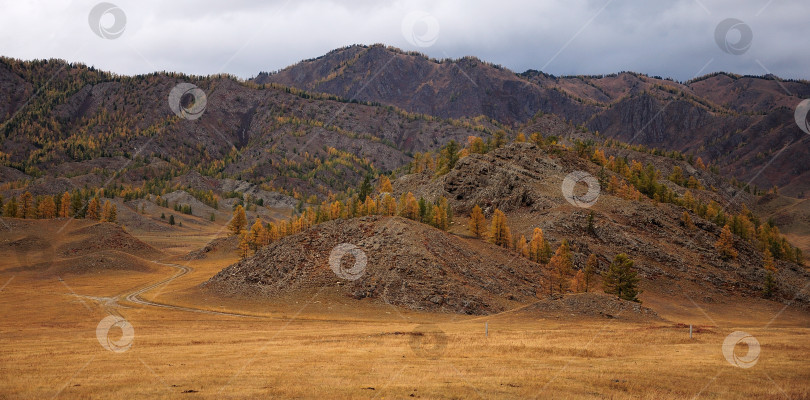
[669, 38]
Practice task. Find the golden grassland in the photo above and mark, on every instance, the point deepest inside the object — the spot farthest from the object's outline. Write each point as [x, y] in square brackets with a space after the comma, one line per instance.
[319, 346]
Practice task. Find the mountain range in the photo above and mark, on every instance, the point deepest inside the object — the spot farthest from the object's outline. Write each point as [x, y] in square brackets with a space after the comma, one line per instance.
[744, 124]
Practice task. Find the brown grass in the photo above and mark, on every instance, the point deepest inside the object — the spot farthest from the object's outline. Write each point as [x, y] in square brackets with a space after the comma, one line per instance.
[321, 347]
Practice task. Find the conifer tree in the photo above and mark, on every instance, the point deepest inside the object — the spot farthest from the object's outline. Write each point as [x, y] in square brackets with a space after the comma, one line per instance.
[93, 209]
[256, 234]
[26, 206]
[244, 244]
[561, 266]
[590, 269]
[238, 221]
[499, 232]
[725, 244]
[539, 249]
[64, 206]
[47, 208]
[477, 222]
[385, 185]
[522, 246]
[621, 280]
[11, 208]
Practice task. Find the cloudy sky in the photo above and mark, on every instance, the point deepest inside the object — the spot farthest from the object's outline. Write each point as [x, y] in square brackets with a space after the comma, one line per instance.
[674, 38]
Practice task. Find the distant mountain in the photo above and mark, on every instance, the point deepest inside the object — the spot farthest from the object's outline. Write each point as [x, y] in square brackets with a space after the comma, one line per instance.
[738, 122]
[68, 120]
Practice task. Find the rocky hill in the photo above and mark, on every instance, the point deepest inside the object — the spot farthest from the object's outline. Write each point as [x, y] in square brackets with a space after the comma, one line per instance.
[739, 122]
[407, 264]
[413, 265]
[526, 182]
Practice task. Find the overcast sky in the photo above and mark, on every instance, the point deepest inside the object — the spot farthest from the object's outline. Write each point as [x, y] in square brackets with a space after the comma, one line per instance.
[674, 38]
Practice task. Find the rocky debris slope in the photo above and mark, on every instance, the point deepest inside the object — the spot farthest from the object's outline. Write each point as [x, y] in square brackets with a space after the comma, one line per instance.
[408, 264]
[525, 181]
[105, 236]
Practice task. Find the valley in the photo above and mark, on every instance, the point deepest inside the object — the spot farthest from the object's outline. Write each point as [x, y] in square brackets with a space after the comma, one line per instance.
[424, 232]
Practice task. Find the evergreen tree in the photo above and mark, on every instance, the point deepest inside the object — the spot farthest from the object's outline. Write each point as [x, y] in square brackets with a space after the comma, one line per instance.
[539, 249]
[477, 222]
[769, 287]
[64, 206]
[591, 228]
[385, 185]
[256, 235]
[77, 208]
[561, 266]
[47, 207]
[244, 244]
[112, 216]
[171, 219]
[26, 207]
[11, 208]
[499, 232]
[365, 188]
[448, 156]
[590, 269]
[93, 209]
[238, 221]
[621, 280]
[725, 244]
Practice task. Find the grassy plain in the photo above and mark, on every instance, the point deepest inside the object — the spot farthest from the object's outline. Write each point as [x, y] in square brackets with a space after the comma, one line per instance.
[318, 346]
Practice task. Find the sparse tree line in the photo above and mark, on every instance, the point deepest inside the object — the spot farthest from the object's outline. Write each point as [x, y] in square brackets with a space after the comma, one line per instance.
[639, 180]
[619, 279]
[437, 214]
[80, 204]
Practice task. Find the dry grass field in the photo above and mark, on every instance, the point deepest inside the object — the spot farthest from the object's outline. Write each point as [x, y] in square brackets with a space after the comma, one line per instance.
[318, 346]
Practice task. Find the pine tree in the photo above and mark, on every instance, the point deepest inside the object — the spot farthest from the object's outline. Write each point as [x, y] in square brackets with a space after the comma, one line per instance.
[273, 233]
[448, 157]
[64, 206]
[476, 145]
[26, 207]
[769, 287]
[725, 244]
[171, 219]
[112, 216]
[238, 221]
[385, 185]
[477, 222]
[591, 228]
[93, 209]
[365, 188]
[621, 280]
[389, 205]
[410, 207]
[11, 208]
[522, 246]
[370, 206]
[686, 221]
[561, 266]
[499, 232]
[77, 208]
[578, 283]
[767, 261]
[244, 244]
[105, 210]
[590, 269]
[256, 234]
[47, 208]
[539, 249]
